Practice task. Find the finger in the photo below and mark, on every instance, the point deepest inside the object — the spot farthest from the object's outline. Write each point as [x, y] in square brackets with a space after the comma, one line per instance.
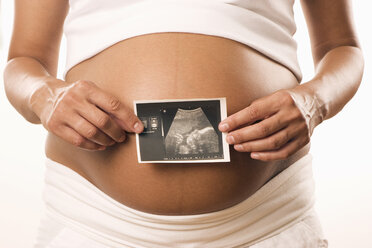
[88, 130]
[102, 121]
[71, 136]
[260, 130]
[110, 104]
[275, 141]
[258, 110]
[283, 153]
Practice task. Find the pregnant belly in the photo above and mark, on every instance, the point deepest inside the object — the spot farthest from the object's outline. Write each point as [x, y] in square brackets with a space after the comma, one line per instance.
[174, 66]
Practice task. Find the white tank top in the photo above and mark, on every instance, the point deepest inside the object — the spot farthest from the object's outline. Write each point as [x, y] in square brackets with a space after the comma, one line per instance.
[265, 25]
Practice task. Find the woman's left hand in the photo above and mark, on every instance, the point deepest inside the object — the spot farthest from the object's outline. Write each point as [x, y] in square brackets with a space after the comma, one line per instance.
[282, 131]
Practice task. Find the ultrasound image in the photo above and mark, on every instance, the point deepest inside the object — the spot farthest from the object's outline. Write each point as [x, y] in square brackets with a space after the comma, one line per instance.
[191, 133]
[181, 131]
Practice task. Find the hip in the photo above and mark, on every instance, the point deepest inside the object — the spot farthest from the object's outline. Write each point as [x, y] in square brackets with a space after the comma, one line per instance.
[280, 213]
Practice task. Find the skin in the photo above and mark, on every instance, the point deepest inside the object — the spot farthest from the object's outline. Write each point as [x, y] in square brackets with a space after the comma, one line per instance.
[88, 120]
[338, 63]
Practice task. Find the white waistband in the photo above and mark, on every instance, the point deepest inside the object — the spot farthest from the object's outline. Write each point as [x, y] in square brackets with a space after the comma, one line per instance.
[280, 203]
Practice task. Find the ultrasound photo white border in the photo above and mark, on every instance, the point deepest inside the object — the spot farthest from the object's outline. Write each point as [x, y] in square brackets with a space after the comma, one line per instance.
[223, 114]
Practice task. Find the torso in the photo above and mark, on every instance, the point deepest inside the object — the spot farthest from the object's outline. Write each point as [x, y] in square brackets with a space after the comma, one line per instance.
[172, 66]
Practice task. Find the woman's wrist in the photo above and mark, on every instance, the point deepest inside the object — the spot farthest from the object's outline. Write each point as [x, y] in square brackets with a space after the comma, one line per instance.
[337, 79]
[43, 96]
[313, 107]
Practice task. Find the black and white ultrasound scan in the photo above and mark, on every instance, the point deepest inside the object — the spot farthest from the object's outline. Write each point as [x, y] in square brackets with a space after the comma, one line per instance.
[181, 131]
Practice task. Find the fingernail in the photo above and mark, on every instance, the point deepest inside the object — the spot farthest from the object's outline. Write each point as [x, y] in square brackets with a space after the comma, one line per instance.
[230, 139]
[224, 127]
[239, 147]
[137, 127]
[255, 155]
[122, 139]
[102, 148]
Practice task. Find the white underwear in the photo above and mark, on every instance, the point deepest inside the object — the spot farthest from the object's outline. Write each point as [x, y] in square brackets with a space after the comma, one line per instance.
[78, 214]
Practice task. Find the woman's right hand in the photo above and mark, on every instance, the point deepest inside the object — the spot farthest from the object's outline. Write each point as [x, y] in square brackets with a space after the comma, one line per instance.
[86, 116]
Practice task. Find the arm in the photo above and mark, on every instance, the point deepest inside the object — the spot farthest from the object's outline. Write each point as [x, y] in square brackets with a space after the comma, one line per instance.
[79, 112]
[338, 60]
[33, 52]
[289, 116]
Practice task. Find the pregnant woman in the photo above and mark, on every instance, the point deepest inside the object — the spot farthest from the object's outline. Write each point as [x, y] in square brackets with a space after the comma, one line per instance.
[98, 195]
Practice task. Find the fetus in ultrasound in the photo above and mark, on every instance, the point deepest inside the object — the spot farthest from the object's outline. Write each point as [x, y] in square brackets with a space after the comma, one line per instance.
[191, 133]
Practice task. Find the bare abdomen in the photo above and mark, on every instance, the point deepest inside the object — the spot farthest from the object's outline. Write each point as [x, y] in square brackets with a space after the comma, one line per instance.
[173, 66]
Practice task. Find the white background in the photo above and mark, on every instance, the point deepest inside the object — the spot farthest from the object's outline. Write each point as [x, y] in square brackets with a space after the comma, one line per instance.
[341, 148]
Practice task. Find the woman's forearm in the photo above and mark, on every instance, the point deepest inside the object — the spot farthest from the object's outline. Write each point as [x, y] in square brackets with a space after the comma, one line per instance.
[26, 78]
[337, 78]
[78, 112]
